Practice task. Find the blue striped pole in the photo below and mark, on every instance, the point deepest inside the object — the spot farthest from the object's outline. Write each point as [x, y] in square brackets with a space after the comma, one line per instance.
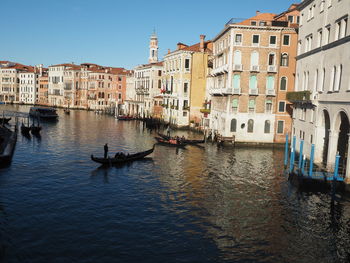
[301, 154]
[312, 159]
[292, 157]
[303, 165]
[336, 168]
[286, 152]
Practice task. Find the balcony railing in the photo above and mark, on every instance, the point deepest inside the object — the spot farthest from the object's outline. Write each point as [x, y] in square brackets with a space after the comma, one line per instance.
[186, 107]
[237, 67]
[254, 92]
[237, 91]
[254, 68]
[220, 70]
[272, 69]
[205, 111]
[270, 92]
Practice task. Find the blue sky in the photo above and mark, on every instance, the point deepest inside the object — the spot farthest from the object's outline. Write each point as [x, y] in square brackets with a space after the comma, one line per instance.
[113, 32]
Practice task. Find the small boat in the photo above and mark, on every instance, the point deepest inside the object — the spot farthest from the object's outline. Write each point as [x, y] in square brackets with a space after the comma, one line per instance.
[171, 142]
[8, 139]
[185, 140]
[4, 120]
[35, 129]
[25, 129]
[122, 158]
[125, 118]
[43, 113]
[66, 111]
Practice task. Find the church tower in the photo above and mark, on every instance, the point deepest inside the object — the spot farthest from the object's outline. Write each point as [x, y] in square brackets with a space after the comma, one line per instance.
[153, 49]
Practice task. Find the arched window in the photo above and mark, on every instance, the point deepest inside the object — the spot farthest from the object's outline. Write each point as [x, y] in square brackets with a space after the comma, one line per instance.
[333, 76]
[254, 58]
[284, 60]
[267, 126]
[283, 85]
[237, 59]
[233, 125]
[250, 126]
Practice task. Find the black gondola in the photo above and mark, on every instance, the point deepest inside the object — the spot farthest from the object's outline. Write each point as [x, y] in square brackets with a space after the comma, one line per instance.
[35, 129]
[122, 158]
[25, 129]
[185, 140]
[173, 143]
[4, 120]
[8, 139]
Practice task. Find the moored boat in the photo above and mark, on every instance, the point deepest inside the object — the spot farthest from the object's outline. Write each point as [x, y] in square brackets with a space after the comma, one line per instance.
[8, 139]
[170, 142]
[43, 113]
[120, 159]
[4, 120]
[125, 118]
[187, 141]
[25, 129]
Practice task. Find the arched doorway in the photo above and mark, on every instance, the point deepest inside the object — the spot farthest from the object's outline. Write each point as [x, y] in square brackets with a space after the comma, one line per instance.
[327, 126]
[343, 139]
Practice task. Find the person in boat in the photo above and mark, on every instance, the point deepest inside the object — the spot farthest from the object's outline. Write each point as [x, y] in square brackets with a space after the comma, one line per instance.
[105, 150]
[183, 138]
[168, 131]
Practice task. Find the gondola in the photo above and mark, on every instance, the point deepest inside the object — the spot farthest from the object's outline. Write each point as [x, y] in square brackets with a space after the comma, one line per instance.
[25, 129]
[170, 143]
[122, 159]
[125, 118]
[66, 111]
[8, 139]
[35, 129]
[185, 141]
[4, 120]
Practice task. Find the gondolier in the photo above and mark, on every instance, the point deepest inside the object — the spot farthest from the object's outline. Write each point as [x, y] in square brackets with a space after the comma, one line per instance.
[106, 150]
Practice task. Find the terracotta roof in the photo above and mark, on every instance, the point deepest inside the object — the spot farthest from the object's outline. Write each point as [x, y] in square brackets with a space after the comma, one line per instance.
[208, 46]
[258, 17]
[61, 65]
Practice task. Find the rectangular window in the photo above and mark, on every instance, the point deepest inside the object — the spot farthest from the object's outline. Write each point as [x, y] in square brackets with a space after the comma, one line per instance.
[256, 39]
[280, 127]
[253, 82]
[185, 88]
[236, 81]
[251, 105]
[319, 41]
[270, 82]
[262, 23]
[273, 40]
[290, 19]
[187, 64]
[235, 105]
[238, 38]
[253, 23]
[281, 106]
[268, 106]
[328, 34]
[286, 40]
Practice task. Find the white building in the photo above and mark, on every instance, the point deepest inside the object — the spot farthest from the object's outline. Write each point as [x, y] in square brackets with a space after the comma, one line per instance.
[323, 66]
[28, 87]
[56, 84]
[8, 82]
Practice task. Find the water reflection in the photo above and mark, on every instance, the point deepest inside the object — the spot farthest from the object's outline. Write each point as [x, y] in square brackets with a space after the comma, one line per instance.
[203, 204]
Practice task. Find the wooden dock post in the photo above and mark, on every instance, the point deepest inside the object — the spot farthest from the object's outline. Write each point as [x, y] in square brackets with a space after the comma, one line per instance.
[286, 152]
[312, 155]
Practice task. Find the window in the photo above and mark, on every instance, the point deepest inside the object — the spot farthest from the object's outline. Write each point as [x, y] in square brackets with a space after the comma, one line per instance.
[322, 6]
[283, 85]
[281, 106]
[237, 59]
[250, 126]
[323, 77]
[187, 64]
[267, 126]
[184, 113]
[280, 127]
[328, 34]
[338, 77]
[235, 104]
[290, 19]
[273, 40]
[262, 23]
[238, 39]
[271, 59]
[253, 23]
[254, 58]
[253, 82]
[268, 106]
[333, 79]
[256, 39]
[236, 81]
[286, 40]
[319, 40]
[284, 60]
[270, 82]
[233, 125]
[251, 106]
[185, 88]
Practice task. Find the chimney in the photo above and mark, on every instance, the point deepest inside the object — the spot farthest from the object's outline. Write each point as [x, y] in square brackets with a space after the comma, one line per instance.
[257, 12]
[201, 43]
[168, 50]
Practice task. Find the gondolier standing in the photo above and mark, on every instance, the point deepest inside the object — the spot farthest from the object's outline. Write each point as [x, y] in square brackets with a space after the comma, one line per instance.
[106, 150]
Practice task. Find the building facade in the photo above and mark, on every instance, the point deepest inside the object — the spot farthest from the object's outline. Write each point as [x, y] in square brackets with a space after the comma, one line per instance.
[321, 97]
[253, 68]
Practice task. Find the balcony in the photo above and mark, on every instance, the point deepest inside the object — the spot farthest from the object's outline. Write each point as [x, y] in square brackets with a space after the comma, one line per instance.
[236, 91]
[237, 67]
[207, 111]
[186, 108]
[254, 92]
[296, 96]
[272, 69]
[220, 70]
[254, 68]
[270, 92]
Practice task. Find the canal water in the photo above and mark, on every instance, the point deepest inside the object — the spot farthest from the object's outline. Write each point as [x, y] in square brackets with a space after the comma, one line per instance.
[199, 204]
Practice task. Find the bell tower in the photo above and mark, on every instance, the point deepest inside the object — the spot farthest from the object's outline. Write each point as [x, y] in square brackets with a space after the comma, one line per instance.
[153, 49]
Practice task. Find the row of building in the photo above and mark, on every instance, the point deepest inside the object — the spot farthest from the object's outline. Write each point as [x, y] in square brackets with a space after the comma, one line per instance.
[257, 80]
